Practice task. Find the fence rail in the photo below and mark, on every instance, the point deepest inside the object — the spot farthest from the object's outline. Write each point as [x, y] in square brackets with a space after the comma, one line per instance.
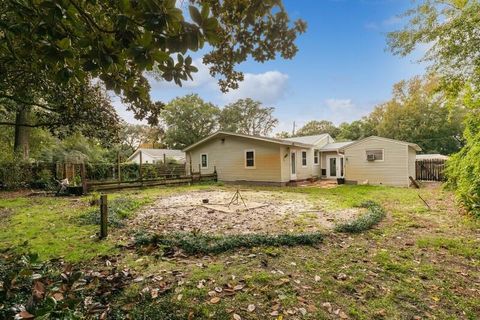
[430, 170]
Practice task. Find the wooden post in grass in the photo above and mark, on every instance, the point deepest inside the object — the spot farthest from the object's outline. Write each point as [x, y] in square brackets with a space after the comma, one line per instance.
[103, 216]
[119, 168]
[83, 175]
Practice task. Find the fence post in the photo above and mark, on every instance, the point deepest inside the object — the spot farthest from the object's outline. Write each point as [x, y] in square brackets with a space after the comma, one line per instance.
[83, 175]
[103, 216]
[140, 169]
[119, 168]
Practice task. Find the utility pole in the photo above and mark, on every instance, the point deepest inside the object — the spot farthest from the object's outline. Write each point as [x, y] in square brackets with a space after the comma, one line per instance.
[293, 130]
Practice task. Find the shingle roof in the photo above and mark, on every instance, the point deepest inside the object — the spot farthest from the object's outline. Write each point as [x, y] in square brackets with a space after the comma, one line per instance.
[158, 153]
[268, 139]
[308, 139]
[335, 146]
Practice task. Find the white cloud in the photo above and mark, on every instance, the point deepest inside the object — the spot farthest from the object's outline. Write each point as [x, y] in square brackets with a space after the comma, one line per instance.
[339, 104]
[394, 20]
[267, 87]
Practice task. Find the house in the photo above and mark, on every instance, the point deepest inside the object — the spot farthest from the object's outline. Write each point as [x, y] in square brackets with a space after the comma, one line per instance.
[433, 156]
[255, 159]
[157, 155]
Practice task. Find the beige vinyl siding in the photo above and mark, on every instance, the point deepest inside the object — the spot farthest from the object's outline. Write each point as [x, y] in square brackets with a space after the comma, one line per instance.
[323, 161]
[307, 172]
[393, 170]
[228, 158]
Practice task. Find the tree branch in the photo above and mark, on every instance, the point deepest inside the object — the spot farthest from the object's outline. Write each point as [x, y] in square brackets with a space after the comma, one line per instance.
[27, 102]
[36, 125]
[89, 19]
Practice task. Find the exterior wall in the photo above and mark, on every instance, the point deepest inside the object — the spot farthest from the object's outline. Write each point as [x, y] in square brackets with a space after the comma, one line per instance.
[302, 172]
[145, 158]
[228, 157]
[323, 158]
[412, 157]
[393, 170]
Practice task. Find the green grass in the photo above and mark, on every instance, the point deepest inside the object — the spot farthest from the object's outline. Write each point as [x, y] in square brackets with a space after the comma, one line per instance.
[417, 262]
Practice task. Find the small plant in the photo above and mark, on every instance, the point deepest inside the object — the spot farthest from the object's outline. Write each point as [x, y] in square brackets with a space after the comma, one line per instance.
[372, 217]
[205, 244]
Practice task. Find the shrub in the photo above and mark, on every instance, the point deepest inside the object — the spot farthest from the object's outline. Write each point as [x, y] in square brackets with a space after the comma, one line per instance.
[372, 217]
[463, 174]
[205, 244]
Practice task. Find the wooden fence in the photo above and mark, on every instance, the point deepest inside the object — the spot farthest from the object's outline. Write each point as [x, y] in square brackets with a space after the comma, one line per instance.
[176, 177]
[430, 170]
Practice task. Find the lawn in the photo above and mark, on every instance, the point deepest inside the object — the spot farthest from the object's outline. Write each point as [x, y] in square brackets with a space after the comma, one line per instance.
[416, 263]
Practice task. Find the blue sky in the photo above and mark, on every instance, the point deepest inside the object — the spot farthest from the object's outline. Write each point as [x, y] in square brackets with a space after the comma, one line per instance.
[342, 69]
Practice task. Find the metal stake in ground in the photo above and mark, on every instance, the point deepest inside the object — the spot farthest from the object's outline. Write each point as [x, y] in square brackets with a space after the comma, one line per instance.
[235, 198]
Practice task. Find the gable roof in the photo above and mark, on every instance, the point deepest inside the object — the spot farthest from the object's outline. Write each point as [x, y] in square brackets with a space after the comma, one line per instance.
[158, 153]
[410, 144]
[335, 146]
[308, 139]
[260, 138]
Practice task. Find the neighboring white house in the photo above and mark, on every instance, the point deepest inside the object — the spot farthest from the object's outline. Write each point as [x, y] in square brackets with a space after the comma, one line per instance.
[157, 156]
[433, 156]
[239, 157]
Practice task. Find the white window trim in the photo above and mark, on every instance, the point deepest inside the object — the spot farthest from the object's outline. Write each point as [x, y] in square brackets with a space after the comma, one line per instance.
[201, 162]
[383, 155]
[254, 158]
[318, 158]
[306, 158]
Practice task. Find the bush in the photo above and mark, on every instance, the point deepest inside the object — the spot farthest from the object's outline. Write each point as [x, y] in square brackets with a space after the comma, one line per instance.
[372, 217]
[118, 210]
[205, 244]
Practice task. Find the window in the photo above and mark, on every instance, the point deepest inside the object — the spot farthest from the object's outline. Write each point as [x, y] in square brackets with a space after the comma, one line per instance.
[315, 157]
[375, 155]
[304, 158]
[249, 158]
[204, 160]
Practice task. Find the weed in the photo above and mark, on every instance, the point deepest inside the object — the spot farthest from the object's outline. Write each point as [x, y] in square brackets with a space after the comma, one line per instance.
[374, 215]
[204, 244]
[118, 210]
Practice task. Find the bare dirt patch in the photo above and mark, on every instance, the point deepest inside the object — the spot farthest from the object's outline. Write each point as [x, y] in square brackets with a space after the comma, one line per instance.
[259, 212]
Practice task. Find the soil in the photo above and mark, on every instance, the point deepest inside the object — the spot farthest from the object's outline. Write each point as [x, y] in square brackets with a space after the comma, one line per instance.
[259, 212]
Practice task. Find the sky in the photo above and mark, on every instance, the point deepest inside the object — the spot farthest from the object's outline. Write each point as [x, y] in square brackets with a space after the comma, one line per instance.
[340, 73]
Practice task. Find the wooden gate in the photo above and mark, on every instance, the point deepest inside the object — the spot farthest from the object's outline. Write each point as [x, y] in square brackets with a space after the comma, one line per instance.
[430, 169]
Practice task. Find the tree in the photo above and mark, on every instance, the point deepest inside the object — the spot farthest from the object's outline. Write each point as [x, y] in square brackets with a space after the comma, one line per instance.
[282, 135]
[357, 129]
[189, 119]
[451, 30]
[60, 108]
[248, 117]
[75, 41]
[418, 113]
[315, 127]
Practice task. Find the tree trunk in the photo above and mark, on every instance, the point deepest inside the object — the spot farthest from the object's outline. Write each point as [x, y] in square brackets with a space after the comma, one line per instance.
[22, 134]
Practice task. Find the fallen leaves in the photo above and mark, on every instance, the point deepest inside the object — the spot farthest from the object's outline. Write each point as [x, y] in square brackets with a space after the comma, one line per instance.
[215, 300]
[251, 308]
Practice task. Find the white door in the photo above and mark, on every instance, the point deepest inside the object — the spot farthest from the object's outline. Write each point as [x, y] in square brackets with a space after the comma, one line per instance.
[334, 167]
[293, 166]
